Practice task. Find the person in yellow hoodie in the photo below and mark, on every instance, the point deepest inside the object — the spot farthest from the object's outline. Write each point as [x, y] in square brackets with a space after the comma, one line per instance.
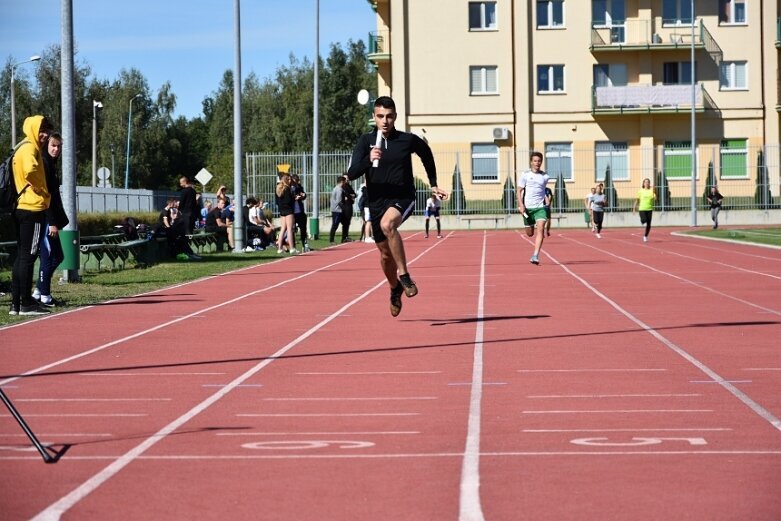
[30, 213]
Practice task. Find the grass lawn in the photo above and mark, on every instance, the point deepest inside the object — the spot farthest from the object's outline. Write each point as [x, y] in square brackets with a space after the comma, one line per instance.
[97, 287]
[769, 236]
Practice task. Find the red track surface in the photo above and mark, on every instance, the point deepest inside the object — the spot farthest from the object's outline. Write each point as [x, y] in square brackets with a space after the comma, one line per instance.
[618, 380]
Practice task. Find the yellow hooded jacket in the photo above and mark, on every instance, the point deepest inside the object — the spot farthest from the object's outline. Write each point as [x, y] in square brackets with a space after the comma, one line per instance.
[29, 171]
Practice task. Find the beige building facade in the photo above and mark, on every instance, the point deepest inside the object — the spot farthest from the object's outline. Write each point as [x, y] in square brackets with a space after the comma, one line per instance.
[593, 84]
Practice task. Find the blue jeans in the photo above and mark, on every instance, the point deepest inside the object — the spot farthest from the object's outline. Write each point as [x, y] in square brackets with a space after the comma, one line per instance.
[336, 220]
[51, 256]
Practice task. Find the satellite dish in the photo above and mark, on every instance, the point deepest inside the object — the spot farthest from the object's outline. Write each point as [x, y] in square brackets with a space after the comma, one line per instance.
[363, 96]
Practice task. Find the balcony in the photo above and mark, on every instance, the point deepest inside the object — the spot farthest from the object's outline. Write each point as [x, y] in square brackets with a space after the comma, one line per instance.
[379, 47]
[646, 99]
[638, 35]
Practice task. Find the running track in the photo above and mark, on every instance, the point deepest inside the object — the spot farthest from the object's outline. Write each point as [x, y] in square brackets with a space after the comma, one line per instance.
[618, 380]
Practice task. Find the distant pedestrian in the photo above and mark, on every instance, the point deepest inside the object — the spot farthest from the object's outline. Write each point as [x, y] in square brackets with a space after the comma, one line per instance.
[348, 201]
[598, 203]
[646, 197]
[715, 198]
[337, 200]
[287, 221]
[433, 204]
[189, 206]
[299, 209]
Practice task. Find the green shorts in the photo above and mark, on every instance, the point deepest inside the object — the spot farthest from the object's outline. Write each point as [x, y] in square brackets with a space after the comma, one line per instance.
[535, 214]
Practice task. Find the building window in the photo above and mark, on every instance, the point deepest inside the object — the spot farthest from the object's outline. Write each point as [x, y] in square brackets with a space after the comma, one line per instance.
[550, 13]
[613, 155]
[678, 159]
[732, 76]
[676, 12]
[679, 73]
[732, 11]
[733, 155]
[610, 75]
[483, 80]
[485, 163]
[482, 16]
[558, 160]
[550, 78]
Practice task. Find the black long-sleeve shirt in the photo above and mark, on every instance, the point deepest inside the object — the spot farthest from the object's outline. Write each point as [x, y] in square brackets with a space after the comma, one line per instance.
[393, 176]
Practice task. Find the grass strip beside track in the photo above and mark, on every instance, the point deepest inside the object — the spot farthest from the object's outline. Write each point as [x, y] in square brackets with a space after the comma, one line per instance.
[765, 236]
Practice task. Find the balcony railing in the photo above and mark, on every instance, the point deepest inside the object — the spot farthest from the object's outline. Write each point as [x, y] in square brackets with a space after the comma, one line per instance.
[634, 99]
[379, 46]
[643, 34]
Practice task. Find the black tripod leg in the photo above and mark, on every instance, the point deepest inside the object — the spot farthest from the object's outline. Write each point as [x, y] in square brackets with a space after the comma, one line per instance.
[46, 456]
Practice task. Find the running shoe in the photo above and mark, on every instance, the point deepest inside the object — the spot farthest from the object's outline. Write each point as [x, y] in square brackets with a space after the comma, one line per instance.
[645, 239]
[395, 299]
[49, 302]
[410, 289]
[599, 236]
[535, 260]
[33, 309]
[439, 236]
[13, 310]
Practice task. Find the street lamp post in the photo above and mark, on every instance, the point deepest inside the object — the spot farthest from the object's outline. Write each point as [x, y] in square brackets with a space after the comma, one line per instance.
[112, 148]
[95, 106]
[693, 127]
[129, 131]
[34, 58]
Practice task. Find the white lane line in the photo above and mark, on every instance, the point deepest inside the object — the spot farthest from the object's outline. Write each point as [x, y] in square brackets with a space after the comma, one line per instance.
[362, 373]
[719, 381]
[59, 400]
[58, 508]
[351, 399]
[753, 272]
[169, 323]
[737, 393]
[681, 395]
[591, 370]
[341, 433]
[456, 384]
[616, 411]
[60, 435]
[762, 368]
[667, 429]
[325, 415]
[469, 507]
[151, 374]
[79, 415]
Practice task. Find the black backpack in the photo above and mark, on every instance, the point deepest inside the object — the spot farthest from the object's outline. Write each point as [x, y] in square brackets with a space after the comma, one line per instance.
[8, 194]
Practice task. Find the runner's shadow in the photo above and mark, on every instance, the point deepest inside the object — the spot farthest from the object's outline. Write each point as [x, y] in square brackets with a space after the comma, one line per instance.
[472, 320]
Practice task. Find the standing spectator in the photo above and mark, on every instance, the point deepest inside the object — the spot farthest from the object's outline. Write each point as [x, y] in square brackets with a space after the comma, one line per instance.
[188, 204]
[56, 219]
[433, 204]
[30, 214]
[366, 226]
[645, 203]
[391, 189]
[337, 196]
[348, 200]
[548, 204]
[589, 212]
[299, 210]
[598, 202]
[287, 229]
[229, 217]
[221, 195]
[531, 201]
[715, 198]
[216, 225]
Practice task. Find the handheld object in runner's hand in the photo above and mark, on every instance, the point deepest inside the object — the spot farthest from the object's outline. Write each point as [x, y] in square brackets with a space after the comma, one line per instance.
[377, 144]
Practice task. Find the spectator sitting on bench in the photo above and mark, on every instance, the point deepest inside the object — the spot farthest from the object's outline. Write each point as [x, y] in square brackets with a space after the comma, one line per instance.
[173, 227]
[260, 233]
[216, 225]
[207, 206]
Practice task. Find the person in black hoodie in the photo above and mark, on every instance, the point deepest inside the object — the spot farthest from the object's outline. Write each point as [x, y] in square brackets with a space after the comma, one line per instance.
[384, 156]
[51, 254]
[189, 206]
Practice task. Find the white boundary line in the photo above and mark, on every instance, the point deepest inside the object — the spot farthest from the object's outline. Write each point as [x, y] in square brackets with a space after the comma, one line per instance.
[469, 508]
[731, 241]
[58, 508]
[737, 393]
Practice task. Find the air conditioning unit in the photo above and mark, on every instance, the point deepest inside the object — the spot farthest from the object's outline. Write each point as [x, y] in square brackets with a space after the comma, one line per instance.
[501, 133]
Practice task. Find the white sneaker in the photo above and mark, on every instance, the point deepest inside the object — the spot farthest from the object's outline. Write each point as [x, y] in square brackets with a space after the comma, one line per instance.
[599, 236]
[306, 248]
[36, 294]
[369, 239]
[293, 251]
[645, 239]
[249, 249]
[279, 251]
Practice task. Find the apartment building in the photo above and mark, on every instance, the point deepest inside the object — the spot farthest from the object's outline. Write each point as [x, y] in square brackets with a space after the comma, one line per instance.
[594, 84]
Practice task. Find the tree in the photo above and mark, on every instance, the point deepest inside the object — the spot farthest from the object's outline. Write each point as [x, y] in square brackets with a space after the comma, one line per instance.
[762, 195]
[663, 200]
[560, 197]
[508, 196]
[709, 183]
[457, 199]
[611, 196]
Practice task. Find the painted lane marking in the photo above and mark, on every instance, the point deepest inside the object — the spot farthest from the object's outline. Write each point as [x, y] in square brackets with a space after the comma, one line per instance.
[737, 393]
[668, 429]
[59, 400]
[55, 510]
[629, 370]
[472, 383]
[556, 396]
[307, 445]
[616, 411]
[342, 433]
[469, 506]
[719, 381]
[151, 374]
[79, 415]
[636, 442]
[324, 415]
[238, 386]
[60, 435]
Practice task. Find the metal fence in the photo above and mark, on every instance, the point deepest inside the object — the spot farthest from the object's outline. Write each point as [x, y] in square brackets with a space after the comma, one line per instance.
[481, 179]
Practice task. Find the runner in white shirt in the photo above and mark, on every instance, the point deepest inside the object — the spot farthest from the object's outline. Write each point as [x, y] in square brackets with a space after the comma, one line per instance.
[532, 201]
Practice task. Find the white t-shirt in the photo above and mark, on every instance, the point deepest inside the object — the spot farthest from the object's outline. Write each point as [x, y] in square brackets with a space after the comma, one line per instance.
[534, 196]
[433, 203]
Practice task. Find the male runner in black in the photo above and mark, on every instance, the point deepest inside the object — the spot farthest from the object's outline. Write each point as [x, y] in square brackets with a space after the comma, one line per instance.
[391, 191]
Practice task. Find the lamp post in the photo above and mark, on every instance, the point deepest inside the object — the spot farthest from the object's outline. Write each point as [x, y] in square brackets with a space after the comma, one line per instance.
[129, 131]
[693, 127]
[95, 106]
[112, 147]
[33, 58]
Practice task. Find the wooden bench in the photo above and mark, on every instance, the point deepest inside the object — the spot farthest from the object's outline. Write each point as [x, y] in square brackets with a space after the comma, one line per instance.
[202, 240]
[494, 218]
[109, 238]
[117, 252]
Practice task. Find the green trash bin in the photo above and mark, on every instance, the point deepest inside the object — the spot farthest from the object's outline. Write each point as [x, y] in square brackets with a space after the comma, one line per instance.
[70, 248]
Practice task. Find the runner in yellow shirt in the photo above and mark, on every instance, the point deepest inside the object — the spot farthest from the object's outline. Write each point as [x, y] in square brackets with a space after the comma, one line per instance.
[645, 203]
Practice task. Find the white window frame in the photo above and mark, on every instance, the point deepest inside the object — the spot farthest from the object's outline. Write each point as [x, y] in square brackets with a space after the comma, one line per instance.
[482, 88]
[549, 154]
[734, 152]
[484, 155]
[732, 75]
[551, 89]
[620, 153]
[731, 5]
[485, 24]
[678, 18]
[551, 22]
